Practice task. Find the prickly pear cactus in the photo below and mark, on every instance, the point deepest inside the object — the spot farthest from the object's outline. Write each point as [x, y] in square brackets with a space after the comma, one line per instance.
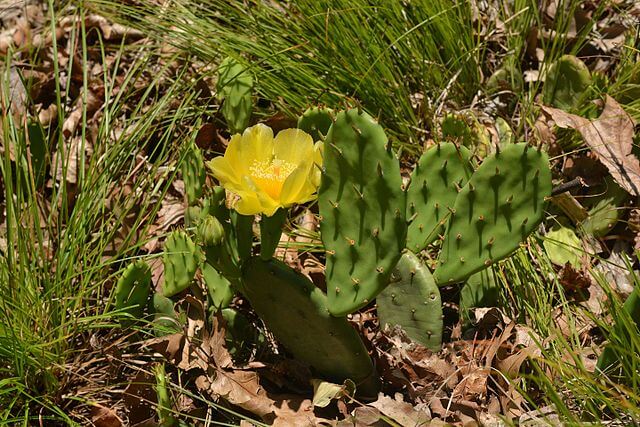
[219, 289]
[412, 300]
[193, 174]
[316, 121]
[500, 206]
[180, 258]
[165, 321]
[241, 336]
[296, 312]
[567, 83]
[455, 128]
[235, 84]
[440, 173]
[132, 290]
[362, 205]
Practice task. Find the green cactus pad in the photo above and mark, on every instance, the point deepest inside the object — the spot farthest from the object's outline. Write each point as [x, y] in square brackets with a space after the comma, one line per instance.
[234, 86]
[563, 246]
[440, 173]
[181, 257]
[132, 291]
[193, 174]
[500, 206]
[567, 83]
[412, 300]
[362, 205]
[316, 121]
[165, 321]
[219, 289]
[296, 312]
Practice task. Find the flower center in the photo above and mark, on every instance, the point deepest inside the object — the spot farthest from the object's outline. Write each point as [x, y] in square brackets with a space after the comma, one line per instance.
[269, 175]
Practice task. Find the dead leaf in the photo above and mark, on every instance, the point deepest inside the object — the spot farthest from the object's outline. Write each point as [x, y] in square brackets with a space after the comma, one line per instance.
[101, 416]
[610, 137]
[402, 412]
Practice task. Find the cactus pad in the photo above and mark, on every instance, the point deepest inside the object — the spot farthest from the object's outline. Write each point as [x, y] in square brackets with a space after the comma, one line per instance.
[500, 206]
[193, 174]
[440, 173]
[180, 259]
[566, 84]
[296, 312]
[132, 290]
[362, 205]
[412, 300]
[219, 289]
[316, 121]
[234, 86]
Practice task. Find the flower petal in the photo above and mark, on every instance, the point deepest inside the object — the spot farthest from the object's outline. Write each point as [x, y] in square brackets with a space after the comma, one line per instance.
[297, 184]
[248, 203]
[293, 146]
[256, 144]
[224, 172]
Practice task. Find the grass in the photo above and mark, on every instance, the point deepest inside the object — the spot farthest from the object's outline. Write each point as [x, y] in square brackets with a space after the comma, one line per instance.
[65, 240]
[404, 63]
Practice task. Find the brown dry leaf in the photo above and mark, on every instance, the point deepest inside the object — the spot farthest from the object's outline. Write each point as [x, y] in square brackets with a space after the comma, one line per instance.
[101, 416]
[402, 412]
[243, 389]
[610, 137]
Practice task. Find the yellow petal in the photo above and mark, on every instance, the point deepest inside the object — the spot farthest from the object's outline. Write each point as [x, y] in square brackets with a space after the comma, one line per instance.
[293, 146]
[233, 155]
[256, 144]
[248, 203]
[316, 173]
[296, 182]
[224, 172]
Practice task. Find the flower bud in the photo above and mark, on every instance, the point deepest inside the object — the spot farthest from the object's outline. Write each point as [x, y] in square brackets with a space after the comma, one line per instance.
[211, 232]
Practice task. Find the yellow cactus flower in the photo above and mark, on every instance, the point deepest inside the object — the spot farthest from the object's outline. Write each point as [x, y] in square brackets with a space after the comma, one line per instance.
[268, 173]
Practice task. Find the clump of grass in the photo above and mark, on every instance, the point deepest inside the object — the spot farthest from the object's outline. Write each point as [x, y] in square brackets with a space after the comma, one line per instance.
[64, 241]
[395, 59]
